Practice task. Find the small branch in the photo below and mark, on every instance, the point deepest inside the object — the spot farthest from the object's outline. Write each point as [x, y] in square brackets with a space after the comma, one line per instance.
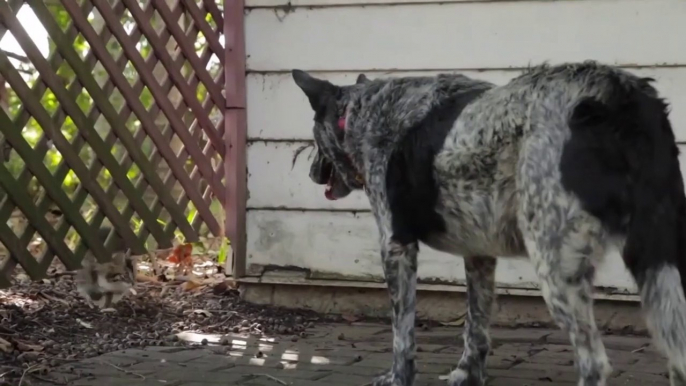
[27, 72]
[23, 375]
[54, 382]
[123, 370]
[18, 57]
[277, 380]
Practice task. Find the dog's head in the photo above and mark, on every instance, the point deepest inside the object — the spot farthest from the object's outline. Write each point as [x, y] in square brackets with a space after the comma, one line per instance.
[332, 165]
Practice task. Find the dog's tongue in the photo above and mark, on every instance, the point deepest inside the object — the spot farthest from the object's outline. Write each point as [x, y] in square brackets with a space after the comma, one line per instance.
[328, 193]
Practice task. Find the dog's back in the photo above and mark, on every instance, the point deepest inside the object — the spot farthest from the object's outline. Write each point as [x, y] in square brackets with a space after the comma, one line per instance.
[477, 165]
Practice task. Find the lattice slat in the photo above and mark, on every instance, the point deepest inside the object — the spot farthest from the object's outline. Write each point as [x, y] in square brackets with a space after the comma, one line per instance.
[63, 145]
[157, 90]
[177, 78]
[160, 96]
[211, 35]
[123, 134]
[42, 147]
[155, 157]
[82, 194]
[138, 108]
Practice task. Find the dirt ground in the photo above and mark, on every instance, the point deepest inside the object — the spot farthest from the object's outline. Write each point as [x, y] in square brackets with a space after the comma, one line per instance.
[351, 354]
[47, 324]
[50, 336]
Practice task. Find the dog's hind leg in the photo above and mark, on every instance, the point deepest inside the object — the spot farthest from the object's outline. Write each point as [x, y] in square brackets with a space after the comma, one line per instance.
[565, 266]
[471, 370]
[564, 243]
[664, 304]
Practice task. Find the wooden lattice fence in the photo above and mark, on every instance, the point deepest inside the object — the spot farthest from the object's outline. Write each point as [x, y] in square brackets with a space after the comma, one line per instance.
[120, 121]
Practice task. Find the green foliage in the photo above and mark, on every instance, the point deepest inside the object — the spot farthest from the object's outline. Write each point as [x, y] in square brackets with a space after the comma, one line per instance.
[223, 251]
[33, 132]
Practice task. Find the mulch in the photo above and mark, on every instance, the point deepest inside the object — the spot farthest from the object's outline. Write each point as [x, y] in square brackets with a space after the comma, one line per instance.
[47, 324]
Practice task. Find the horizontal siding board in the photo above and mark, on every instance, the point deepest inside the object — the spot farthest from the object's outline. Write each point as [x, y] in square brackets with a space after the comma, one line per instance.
[345, 245]
[290, 116]
[470, 35]
[285, 4]
[273, 183]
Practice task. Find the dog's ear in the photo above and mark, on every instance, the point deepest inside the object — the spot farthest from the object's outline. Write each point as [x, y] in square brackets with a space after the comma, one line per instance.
[317, 90]
[362, 78]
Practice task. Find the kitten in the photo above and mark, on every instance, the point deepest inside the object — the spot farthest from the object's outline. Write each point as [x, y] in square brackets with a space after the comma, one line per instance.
[105, 284]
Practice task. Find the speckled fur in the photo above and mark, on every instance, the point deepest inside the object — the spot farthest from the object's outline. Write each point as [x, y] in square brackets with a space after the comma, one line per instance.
[506, 185]
[105, 284]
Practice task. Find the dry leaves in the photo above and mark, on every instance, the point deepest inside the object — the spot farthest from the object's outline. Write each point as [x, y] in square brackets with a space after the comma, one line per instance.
[191, 285]
[181, 255]
[350, 318]
[84, 324]
[5, 345]
[54, 299]
[459, 322]
[198, 312]
[24, 346]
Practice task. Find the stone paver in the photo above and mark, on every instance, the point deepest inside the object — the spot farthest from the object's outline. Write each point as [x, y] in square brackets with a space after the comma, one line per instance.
[351, 355]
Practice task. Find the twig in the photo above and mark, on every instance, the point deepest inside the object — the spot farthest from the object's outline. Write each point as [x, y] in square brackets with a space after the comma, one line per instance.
[21, 380]
[155, 263]
[123, 370]
[277, 380]
[18, 57]
[133, 310]
[54, 382]
[24, 71]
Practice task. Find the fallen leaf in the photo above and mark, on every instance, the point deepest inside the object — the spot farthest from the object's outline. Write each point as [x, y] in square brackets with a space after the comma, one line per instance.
[180, 254]
[191, 285]
[6, 346]
[54, 299]
[350, 318]
[31, 355]
[84, 324]
[199, 312]
[23, 346]
[220, 288]
[22, 277]
[459, 322]
[145, 278]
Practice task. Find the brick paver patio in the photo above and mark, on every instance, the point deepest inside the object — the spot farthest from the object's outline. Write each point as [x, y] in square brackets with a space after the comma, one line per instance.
[350, 355]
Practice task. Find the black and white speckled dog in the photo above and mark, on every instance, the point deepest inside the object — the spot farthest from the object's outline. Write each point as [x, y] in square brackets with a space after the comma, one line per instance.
[555, 165]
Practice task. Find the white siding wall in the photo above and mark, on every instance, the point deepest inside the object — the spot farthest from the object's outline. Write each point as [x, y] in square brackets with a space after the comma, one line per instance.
[290, 223]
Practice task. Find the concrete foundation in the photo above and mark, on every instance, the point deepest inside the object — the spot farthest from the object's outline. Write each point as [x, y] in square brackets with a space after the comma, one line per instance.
[447, 307]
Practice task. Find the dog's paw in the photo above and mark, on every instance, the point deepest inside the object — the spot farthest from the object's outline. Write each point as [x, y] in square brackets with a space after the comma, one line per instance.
[388, 379]
[391, 378]
[462, 377]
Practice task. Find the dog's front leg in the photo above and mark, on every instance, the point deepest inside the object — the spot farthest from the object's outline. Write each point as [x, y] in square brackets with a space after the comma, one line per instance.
[400, 270]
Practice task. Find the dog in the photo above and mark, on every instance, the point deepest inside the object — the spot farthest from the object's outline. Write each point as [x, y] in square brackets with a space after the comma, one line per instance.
[557, 165]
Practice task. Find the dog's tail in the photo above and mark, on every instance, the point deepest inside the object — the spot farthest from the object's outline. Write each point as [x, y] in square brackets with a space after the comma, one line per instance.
[627, 142]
